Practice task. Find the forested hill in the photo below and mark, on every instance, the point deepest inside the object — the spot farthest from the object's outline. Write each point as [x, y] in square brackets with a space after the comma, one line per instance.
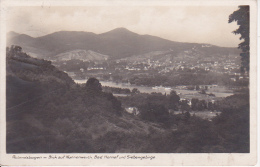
[29, 78]
[30, 69]
[48, 113]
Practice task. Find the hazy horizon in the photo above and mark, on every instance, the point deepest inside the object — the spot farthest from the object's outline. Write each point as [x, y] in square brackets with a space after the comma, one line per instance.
[201, 24]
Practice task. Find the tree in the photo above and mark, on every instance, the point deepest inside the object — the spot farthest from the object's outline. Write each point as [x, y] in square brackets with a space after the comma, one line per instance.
[135, 91]
[203, 91]
[157, 98]
[16, 49]
[154, 112]
[191, 87]
[186, 116]
[184, 106]
[241, 16]
[194, 103]
[116, 104]
[202, 105]
[211, 106]
[94, 84]
[174, 100]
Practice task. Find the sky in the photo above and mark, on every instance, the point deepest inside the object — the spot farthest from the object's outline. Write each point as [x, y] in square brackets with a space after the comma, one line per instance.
[196, 24]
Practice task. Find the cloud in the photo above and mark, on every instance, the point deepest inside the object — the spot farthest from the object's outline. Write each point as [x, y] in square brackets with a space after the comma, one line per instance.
[178, 23]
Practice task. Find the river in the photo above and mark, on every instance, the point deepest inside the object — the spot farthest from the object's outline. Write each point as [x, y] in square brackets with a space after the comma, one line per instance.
[146, 89]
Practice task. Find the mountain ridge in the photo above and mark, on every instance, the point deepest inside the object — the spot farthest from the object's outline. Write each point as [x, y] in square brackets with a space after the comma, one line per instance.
[122, 29]
[117, 43]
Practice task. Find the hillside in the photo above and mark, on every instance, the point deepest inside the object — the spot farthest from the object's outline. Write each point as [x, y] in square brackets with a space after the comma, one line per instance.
[84, 55]
[117, 43]
[190, 55]
[48, 113]
[29, 77]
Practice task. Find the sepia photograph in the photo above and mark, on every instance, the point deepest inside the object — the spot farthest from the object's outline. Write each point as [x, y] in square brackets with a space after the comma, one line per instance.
[115, 78]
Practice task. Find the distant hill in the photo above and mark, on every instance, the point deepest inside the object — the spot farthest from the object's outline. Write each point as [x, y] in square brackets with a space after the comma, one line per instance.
[118, 43]
[12, 34]
[191, 55]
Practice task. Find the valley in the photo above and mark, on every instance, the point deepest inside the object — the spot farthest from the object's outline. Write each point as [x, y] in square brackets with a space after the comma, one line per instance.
[121, 92]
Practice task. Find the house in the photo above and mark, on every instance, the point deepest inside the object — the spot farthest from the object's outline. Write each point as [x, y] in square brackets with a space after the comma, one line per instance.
[132, 110]
[81, 69]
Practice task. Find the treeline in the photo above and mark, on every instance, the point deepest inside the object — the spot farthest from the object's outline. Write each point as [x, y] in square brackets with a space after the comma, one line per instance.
[116, 90]
[173, 79]
[169, 102]
[120, 90]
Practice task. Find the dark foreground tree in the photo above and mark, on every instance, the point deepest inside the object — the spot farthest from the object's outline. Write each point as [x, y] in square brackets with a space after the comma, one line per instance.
[241, 16]
[94, 84]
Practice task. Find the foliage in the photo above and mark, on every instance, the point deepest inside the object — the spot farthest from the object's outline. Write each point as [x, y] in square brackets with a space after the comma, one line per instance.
[233, 124]
[184, 106]
[154, 112]
[135, 91]
[242, 17]
[194, 103]
[174, 100]
[93, 84]
[116, 90]
[186, 78]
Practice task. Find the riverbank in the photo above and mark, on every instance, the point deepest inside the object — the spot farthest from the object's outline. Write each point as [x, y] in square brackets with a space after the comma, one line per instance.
[182, 92]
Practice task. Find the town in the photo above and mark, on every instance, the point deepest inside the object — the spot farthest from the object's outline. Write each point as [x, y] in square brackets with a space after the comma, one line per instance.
[129, 69]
